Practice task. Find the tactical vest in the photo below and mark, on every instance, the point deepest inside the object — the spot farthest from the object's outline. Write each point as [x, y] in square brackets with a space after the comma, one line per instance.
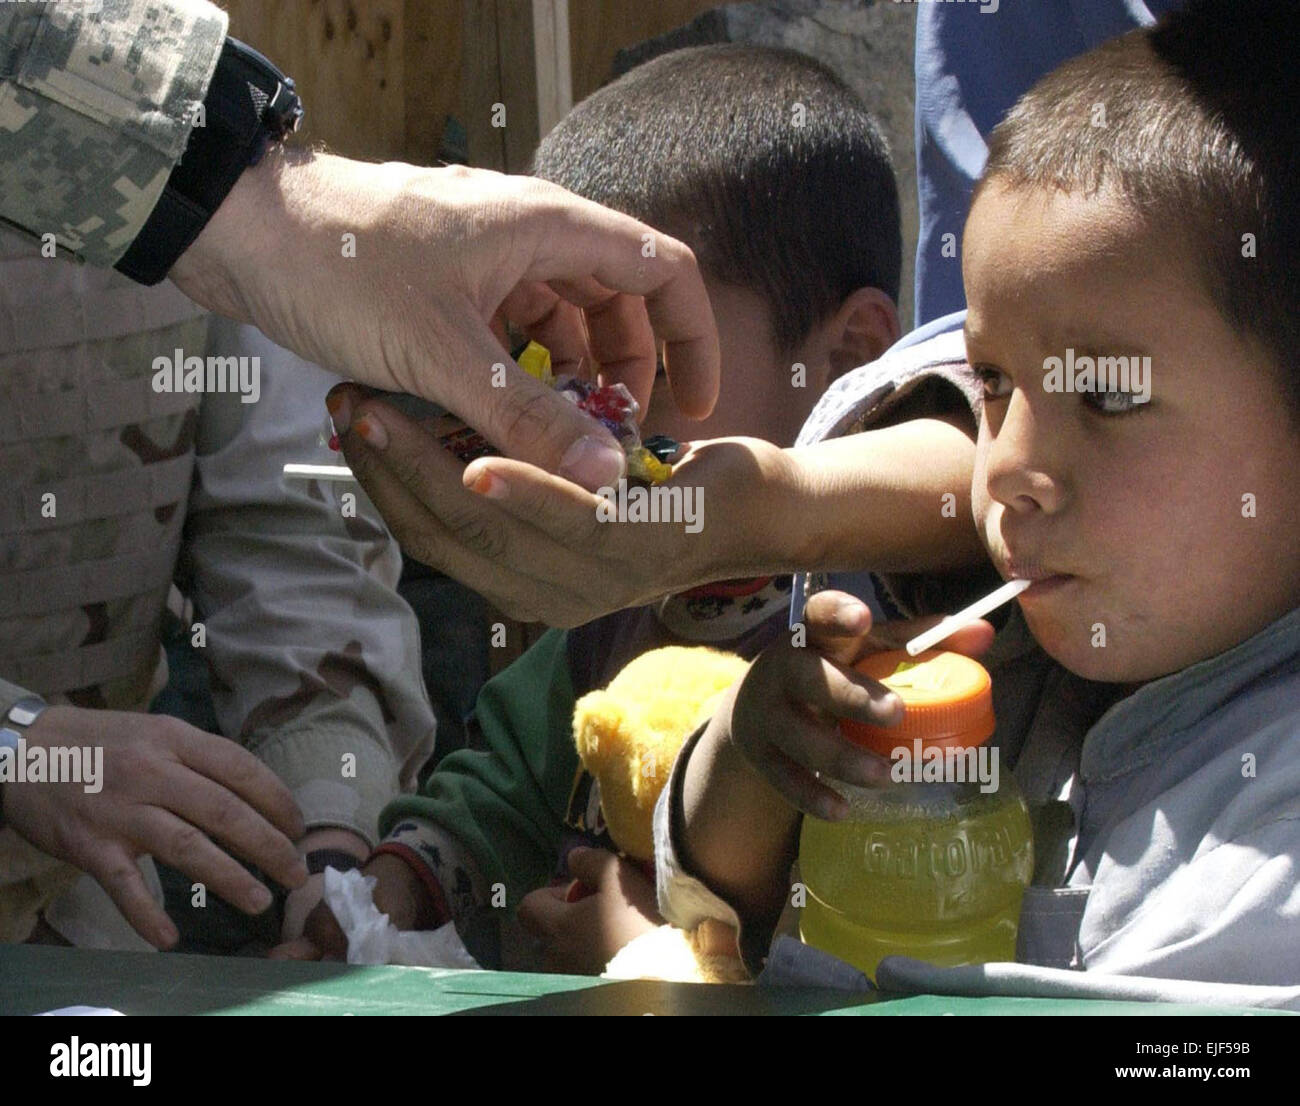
[97, 468]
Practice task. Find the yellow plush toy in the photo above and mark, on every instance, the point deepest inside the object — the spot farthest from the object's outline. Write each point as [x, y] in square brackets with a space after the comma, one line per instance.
[628, 736]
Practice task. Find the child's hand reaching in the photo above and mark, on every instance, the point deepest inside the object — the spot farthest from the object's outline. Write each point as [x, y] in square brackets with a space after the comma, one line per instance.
[761, 759]
[582, 937]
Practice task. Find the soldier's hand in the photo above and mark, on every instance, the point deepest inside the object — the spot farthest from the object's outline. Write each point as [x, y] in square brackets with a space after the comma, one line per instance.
[165, 789]
[436, 257]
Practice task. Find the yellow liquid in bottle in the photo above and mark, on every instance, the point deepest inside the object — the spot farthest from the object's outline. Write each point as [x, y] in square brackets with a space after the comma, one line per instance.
[939, 879]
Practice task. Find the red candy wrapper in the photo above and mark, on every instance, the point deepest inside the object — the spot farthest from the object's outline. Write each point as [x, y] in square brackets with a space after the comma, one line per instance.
[611, 405]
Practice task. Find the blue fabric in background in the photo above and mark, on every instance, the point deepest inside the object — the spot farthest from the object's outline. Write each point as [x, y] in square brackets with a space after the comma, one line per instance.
[972, 64]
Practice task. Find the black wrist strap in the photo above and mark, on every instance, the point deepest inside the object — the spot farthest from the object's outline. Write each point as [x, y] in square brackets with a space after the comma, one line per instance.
[249, 105]
[320, 859]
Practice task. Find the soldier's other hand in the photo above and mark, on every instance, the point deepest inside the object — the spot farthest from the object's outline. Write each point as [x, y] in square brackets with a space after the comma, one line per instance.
[191, 799]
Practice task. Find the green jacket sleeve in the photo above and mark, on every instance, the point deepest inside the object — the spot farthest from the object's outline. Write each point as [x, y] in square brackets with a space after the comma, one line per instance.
[506, 802]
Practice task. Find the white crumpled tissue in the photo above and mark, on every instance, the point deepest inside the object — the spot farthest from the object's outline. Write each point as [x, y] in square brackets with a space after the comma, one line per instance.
[373, 939]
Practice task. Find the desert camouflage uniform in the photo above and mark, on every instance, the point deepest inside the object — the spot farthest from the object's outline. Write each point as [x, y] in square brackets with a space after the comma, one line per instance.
[314, 658]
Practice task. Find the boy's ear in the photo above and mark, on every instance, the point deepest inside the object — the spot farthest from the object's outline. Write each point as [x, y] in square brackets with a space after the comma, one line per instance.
[862, 328]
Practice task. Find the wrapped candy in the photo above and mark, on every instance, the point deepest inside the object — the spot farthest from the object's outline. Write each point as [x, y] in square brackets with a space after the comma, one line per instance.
[611, 405]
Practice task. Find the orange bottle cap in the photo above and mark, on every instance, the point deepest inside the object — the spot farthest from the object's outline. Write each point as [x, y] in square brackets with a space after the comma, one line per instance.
[947, 699]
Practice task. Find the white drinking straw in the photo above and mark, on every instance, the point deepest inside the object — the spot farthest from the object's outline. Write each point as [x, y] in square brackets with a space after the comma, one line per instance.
[955, 622]
[319, 472]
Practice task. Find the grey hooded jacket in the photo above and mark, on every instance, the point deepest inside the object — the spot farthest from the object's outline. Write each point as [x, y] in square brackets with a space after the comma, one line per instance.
[1167, 824]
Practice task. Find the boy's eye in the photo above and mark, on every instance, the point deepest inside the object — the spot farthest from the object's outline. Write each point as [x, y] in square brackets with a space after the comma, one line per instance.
[996, 383]
[1114, 403]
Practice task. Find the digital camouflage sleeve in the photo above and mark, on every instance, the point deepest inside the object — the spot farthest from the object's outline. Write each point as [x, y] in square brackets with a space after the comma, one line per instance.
[96, 103]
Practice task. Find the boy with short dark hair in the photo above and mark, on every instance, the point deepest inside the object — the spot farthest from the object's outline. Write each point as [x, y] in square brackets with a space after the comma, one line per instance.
[1139, 202]
[762, 159]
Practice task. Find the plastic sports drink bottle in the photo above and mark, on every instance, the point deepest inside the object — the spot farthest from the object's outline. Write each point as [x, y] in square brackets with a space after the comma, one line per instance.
[935, 864]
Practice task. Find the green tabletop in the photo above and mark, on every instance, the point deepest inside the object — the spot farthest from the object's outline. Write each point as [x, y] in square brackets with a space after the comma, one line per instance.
[37, 978]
